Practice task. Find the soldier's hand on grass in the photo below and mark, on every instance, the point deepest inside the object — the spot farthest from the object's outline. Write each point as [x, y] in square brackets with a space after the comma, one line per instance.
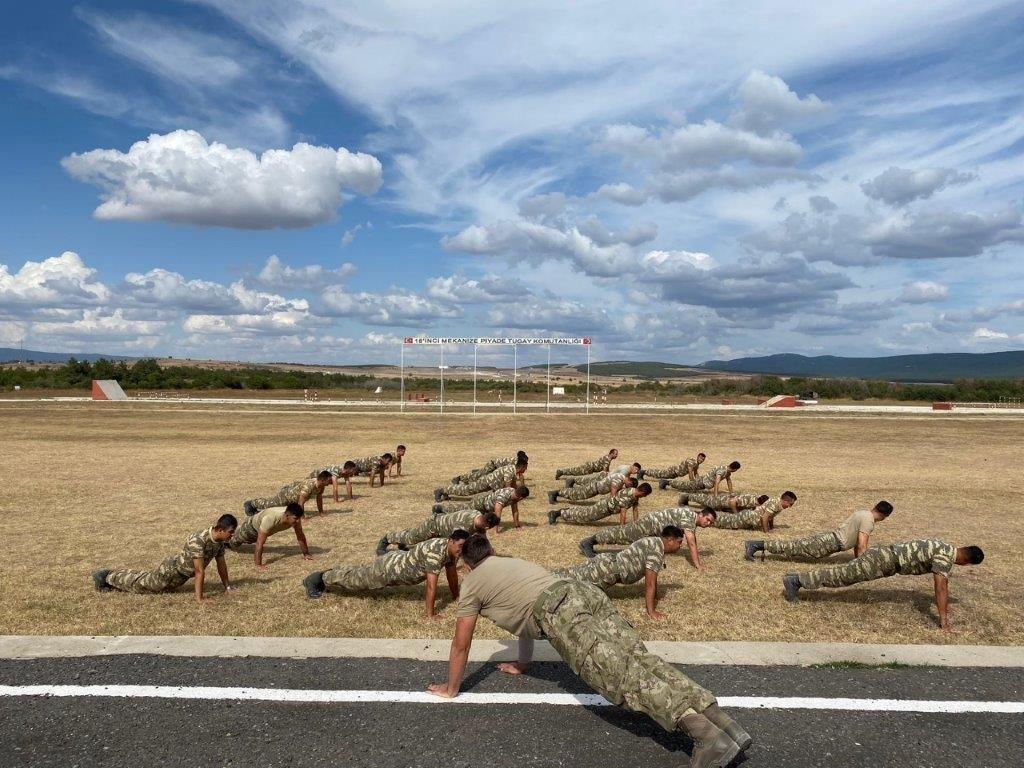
[440, 689]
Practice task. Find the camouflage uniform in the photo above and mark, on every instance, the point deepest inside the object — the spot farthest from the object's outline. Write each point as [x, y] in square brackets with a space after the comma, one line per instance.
[811, 547]
[288, 494]
[609, 505]
[719, 501]
[437, 527]
[486, 469]
[626, 567]
[909, 558]
[650, 524]
[369, 465]
[682, 469]
[485, 502]
[394, 569]
[499, 478]
[334, 469]
[702, 483]
[749, 518]
[248, 530]
[606, 651]
[582, 492]
[587, 467]
[172, 572]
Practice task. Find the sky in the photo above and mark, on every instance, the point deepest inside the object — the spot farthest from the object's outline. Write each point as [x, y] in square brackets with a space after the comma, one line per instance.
[313, 181]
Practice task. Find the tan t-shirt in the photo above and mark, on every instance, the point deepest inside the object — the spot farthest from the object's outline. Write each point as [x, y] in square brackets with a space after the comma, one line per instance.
[270, 521]
[861, 521]
[504, 589]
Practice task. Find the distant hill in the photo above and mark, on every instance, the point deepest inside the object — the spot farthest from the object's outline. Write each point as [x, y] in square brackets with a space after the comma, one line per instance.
[938, 367]
[11, 355]
[643, 370]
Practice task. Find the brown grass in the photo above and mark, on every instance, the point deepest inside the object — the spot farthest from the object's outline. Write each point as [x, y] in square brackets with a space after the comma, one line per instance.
[91, 485]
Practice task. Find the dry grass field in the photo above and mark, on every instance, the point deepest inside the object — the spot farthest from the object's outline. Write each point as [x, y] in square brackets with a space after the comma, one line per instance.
[91, 485]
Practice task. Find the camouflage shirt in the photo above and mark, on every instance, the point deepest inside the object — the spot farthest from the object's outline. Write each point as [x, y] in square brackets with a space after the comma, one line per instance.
[369, 464]
[334, 469]
[502, 476]
[923, 556]
[646, 554]
[200, 546]
[718, 501]
[291, 492]
[488, 501]
[444, 525]
[747, 518]
[624, 499]
[770, 509]
[721, 471]
[413, 566]
[683, 518]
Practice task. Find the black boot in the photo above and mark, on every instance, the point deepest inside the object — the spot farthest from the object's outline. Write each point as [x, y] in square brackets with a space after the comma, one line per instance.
[99, 580]
[439, 495]
[382, 546]
[558, 474]
[733, 730]
[791, 583]
[314, 584]
[684, 499]
[553, 516]
[249, 509]
[662, 485]
[457, 479]
[751, 548]
[641, 474]
[587, 547]
[570, 482]
[438, 509]
[712, 747]
[552, 497]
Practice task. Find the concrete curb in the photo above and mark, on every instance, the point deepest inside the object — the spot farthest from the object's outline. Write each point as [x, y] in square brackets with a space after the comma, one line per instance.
[717, 653]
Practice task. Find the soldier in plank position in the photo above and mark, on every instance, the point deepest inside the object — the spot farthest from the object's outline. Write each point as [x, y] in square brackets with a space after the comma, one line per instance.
[854, 533]
[723, 502]
[685, 468]
[596, 465]
[762, 516]
[686, 519]
[438, 527]
[340, 473]
[495, 501]
[711, 481]
[627, 498]
[611, 483]
[502, 477]
[490, 466]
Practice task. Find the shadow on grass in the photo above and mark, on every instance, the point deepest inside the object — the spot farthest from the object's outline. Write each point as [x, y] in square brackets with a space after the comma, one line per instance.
[922, 602]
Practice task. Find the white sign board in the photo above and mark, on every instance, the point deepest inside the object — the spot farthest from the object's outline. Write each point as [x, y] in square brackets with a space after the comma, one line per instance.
[437, 340]
[558, 390]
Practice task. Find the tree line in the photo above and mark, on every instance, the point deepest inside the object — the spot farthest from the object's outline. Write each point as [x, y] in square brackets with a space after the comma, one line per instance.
[149, 374]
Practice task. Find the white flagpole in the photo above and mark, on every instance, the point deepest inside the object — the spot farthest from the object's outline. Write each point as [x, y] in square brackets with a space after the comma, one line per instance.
[401, 395]
[588, 378]
[515, 374]
[549, 379]
[475, 347]
[442, 378]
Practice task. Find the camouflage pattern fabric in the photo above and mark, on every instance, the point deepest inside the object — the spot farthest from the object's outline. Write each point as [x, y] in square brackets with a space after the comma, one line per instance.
[245, 533]
[909, 558]
[587, 467]
[606, 651]
[702, 483]
[438, 526]
[593, 477]
[749, 519]
[334, 469]
[811, 547]
[609, 505]
[650, 524]
[499, 478]
[172, 572]
[590, 490]
[682, 469]
[486, 469]
[626, 567]
[394, 569]
[288, 494]
[369, 465]
[718, 501]
[485, 502]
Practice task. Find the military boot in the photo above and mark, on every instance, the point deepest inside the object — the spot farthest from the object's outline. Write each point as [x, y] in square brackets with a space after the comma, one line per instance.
[553, 516]
[249, 509]
[382, 547]
[662, 484]
[791, 583]
[439, 495]
[570, 482]
[723, 722]
[587, 547]
[751, 548]
[99, 580]
[552, 497]
[314, 584]
[684, 499]
[712, 747]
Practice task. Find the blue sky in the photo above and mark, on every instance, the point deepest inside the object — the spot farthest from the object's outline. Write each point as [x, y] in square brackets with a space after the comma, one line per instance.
[313, 181]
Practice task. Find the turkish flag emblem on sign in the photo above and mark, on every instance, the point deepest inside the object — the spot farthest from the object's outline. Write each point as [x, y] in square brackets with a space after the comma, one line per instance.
[586, 340]
[408, 339]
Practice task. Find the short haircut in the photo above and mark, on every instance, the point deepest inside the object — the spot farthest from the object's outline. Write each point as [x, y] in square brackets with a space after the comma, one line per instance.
[459, 535]
[671, 532]
[702, 455]
[613, 450]
[709, 511]
[400, 447]
[522, 461]
[387, 457]
[789, 495]
[477, 549]
[763, 498]
[644, 487]
[734, 465]
[491, 519]
[522, 491]
[294, 509]
[974, 554]
[226, 523]
[350, 465]
[884, 508]
[324, 475]
[521, 455]
[637, 465]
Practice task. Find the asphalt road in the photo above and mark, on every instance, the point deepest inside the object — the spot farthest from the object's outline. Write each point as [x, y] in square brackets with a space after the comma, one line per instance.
[68, 732]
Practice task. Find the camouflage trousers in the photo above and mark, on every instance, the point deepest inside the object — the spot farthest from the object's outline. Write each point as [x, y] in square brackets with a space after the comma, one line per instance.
[165, 578]
[628, 533]
[472, 488]
[593, 477]
[602, 570]
[812, 547]
[454, 506]
[277, 500]
[412, 536]
[356, 578]
[662, 474]
[246, 533]
[580, 492]
[587, 468]
[606, 651]
[686, 484]
[734, 521]
[873, 564]
[584, 515]
[476, 474]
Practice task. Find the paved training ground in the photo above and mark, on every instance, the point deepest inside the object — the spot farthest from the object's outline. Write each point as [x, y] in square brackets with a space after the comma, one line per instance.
[147, 710]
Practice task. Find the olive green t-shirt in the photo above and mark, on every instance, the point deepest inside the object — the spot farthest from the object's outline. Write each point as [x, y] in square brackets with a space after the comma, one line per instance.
[504, 589]
[861, 521]
[270, 520]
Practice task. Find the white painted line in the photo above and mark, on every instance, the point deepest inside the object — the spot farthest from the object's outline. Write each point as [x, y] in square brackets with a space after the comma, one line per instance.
[298, 695]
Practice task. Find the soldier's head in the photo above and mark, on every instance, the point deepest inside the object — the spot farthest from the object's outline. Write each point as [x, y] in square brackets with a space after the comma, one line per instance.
[613, 454]
[701, 457]
[762, 499]
[456, 542]
[881, 511]
[400, 450]
[734, 466]
[386, 459]
[634, 468]
[349, 468]
[521, 456]
[672, 538]
[485, 521]
[706, 517]
[522, 462]
[644, 489]
[521, 492]
[476, 549]
[787, 500]
[225, 527]
[293, 512]
[969, 555]
[324, 478]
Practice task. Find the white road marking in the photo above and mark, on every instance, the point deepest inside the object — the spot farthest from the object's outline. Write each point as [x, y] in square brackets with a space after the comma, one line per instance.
[558, 699]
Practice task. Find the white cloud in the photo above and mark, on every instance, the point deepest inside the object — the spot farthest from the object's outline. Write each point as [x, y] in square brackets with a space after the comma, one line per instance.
[95, 325]
[275, 323]
[943, 234]
[621, 193]
[899, 186]
[163, 288]
[924, 291]
[180, 178]
[276, 274]
[59, 281]
[675, 263]
[766, 103]
[457, 289]
[395, 308]
[350, 234]
[987, 334]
